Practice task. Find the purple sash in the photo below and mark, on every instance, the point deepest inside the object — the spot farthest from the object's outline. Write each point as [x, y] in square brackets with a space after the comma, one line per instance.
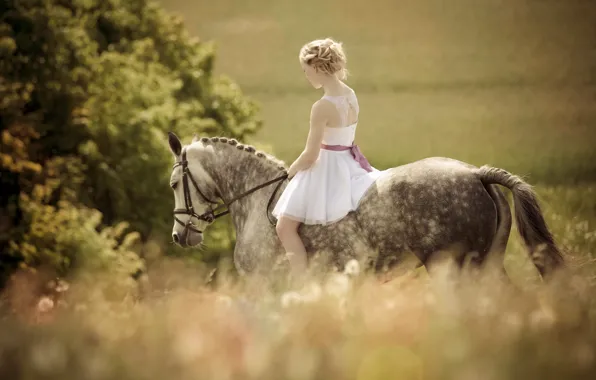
[356, 153]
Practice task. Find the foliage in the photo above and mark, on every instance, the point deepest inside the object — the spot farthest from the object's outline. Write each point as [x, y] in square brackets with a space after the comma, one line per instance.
[88, 89]
[64, 236]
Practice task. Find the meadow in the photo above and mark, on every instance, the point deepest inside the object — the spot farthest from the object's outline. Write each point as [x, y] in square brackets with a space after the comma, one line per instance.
[500, 82]
[506, 83]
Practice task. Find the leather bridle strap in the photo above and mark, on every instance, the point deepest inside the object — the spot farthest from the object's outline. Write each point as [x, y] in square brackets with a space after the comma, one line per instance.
[189, 210]
[210, 215]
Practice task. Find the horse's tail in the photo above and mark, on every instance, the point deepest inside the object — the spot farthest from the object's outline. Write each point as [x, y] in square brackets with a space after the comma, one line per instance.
[529, 219]
[497, 249]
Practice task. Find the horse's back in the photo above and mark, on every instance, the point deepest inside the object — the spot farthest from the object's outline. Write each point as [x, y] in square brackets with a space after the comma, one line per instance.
[428, 205]
[421, 169]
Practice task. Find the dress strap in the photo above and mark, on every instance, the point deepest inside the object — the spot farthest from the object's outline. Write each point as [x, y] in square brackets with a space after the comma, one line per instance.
[343, 104]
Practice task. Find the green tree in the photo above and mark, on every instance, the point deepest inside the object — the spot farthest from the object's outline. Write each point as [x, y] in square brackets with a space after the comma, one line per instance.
[88, 90]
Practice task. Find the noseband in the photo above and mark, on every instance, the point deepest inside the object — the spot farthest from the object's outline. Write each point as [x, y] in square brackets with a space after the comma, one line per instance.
[221, 209]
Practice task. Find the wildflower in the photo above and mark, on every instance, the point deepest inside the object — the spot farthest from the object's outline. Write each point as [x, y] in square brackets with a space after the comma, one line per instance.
[62, 286]
[312, 293]
[542, 318]
[289, 299]
[45, 304]
[352, 268]
[338, 285]
[224, 300]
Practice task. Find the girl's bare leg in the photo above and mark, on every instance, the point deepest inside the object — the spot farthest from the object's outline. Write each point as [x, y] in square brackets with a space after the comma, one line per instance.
[287, 230]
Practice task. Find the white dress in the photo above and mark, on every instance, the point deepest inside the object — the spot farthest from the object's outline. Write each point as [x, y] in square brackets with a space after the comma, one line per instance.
[334, 185]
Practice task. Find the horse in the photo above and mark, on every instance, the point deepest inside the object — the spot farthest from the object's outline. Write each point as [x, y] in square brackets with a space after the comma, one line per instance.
[423, 208]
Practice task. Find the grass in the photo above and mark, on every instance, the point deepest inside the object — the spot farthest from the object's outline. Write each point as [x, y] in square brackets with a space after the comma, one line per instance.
[508, 83]
[516, 129]
[337, 326]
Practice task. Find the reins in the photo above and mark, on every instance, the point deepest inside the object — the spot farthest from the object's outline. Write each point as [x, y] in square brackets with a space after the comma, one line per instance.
[214, 213]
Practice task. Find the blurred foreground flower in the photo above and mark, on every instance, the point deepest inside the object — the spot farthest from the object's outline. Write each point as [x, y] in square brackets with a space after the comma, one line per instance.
[45, 304]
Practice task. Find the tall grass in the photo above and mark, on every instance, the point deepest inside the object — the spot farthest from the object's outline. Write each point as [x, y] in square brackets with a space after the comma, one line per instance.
[337, 327]
[354, 325]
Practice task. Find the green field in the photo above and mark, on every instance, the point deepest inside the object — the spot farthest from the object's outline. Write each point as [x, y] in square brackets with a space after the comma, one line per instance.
[507, 83]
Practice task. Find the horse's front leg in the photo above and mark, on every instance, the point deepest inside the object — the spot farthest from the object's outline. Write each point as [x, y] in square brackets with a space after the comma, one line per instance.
[257, 254]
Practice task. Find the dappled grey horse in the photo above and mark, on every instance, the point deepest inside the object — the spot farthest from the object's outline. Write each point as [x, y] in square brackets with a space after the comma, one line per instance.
[424, 208]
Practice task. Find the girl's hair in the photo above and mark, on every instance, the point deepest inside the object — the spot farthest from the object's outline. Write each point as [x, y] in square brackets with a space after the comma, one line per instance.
[325, 56]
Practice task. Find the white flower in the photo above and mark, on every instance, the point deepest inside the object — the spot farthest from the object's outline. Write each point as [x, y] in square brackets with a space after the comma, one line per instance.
[352, 268]
[62, 286]
[542, 318]
[338, 285]
[45, 304]
[312, 293]
[289, 299]
[224, 300]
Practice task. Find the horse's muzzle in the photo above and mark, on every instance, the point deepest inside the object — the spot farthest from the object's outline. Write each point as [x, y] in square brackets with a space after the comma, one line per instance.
[187, 238]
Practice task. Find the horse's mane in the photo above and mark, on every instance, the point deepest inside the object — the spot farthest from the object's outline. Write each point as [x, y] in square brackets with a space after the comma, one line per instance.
[247, 148]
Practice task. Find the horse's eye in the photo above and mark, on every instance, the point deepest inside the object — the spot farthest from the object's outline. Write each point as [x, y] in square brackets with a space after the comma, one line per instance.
[174, 185]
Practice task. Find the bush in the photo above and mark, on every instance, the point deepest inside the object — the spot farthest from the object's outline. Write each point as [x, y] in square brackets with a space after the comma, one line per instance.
[88, 90]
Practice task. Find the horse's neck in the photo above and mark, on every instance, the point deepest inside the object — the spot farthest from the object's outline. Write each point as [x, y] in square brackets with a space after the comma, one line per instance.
[236, 171]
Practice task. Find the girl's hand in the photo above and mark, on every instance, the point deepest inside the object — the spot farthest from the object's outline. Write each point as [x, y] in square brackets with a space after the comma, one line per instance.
[292, 171]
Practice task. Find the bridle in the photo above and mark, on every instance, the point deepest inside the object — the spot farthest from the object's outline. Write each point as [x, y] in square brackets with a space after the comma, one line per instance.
[213, 213]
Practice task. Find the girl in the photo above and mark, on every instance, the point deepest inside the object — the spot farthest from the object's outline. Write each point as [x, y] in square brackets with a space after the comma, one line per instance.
[331, 175]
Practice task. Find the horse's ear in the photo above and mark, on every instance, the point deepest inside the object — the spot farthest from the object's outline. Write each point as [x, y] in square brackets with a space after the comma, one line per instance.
[175, 144]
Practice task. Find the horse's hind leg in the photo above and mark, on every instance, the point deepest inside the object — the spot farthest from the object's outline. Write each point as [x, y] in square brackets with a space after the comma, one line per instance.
[390, 266]
[465, 258]
[495, 255]
[448, 261]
